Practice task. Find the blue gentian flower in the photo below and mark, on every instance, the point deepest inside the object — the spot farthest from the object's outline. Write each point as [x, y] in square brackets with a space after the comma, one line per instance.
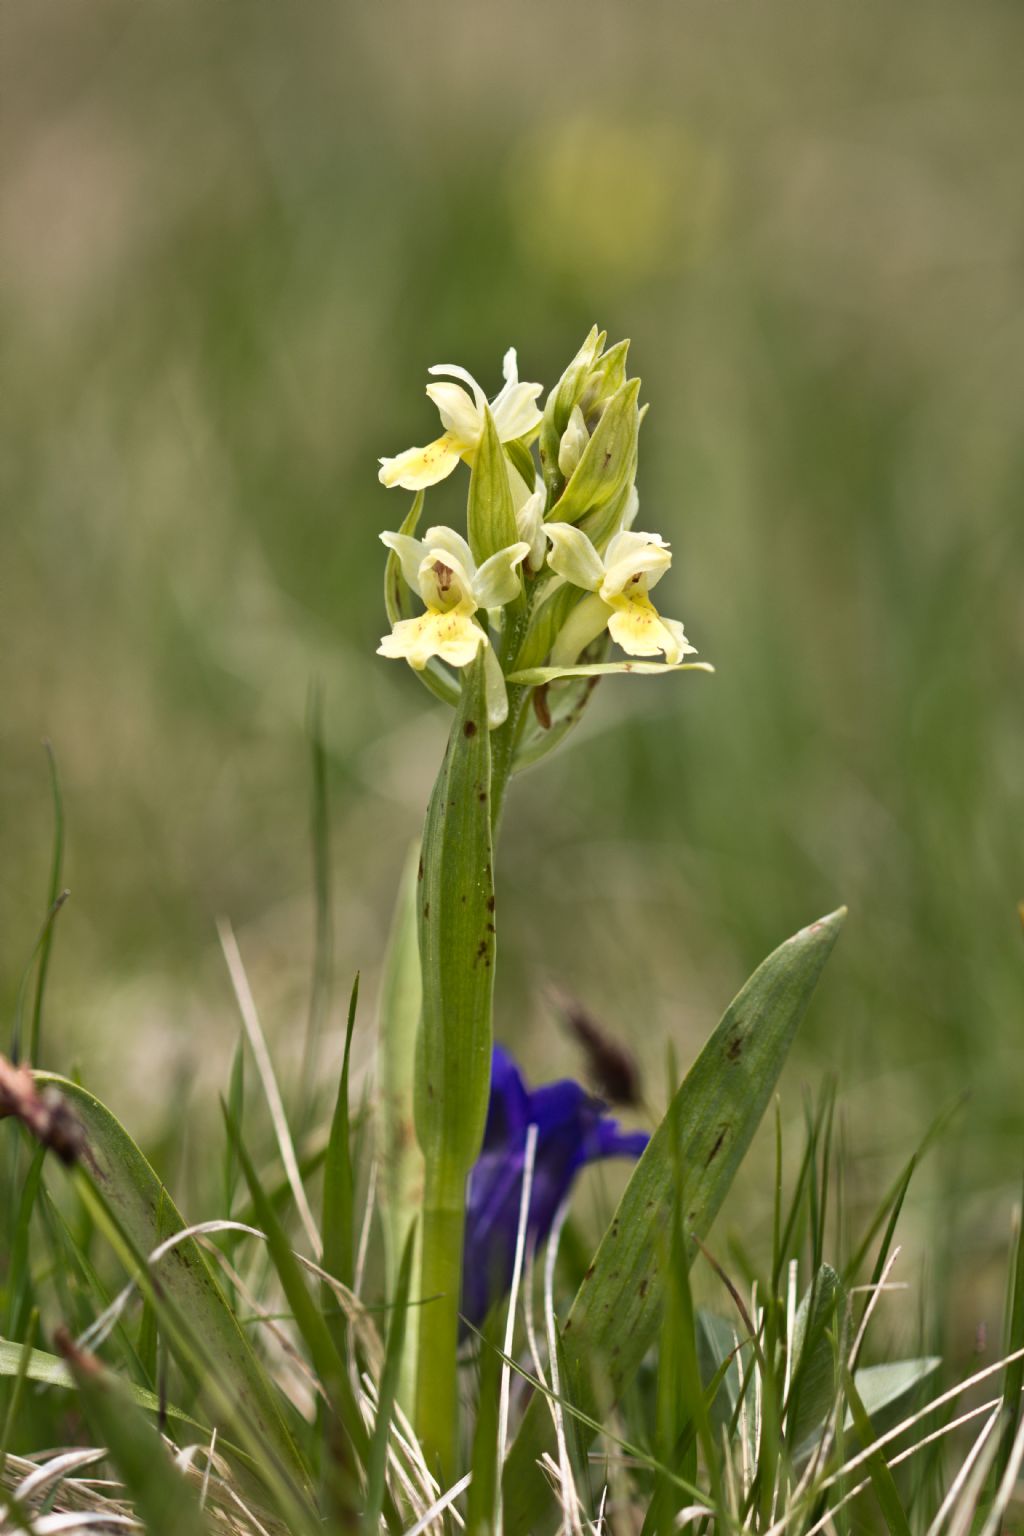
[572, 1130]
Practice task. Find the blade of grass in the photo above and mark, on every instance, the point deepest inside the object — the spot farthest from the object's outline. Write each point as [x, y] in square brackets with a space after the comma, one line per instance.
[320, 835]
[165, 1501]
[882, 1480]
[339, 1192]
[376, 1468]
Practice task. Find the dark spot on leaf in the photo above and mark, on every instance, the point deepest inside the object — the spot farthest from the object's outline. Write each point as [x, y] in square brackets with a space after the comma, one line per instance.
[426, 912]
[481, 795]
[490, 903]
[734, 1050]
[420, 873]
[723, 1133]
[642, 1288]
[589, 1272]
[469, 729]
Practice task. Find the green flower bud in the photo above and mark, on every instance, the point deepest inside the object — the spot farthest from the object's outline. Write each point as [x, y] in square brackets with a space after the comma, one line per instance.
[576, 405]
[566, 394]
[607, 466]
[574, 440]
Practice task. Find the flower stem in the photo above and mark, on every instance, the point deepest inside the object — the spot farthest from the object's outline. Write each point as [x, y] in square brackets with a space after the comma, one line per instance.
[437, 1375]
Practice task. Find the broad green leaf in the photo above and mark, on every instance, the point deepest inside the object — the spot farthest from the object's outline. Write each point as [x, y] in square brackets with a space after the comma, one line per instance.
[50, 1371]
[717, 1340]
[147, 1215]
[535, 677]
[709, 1125]
[814, 1384]
[886, 1387]
[456, 937]
[490, 515]
[166, 1503]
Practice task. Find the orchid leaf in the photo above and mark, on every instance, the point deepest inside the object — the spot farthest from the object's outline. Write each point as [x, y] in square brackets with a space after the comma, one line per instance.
[709, 1125]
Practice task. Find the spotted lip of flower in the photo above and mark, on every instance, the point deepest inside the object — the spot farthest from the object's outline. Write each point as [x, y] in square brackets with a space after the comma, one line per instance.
[514, 411]
[619, 584]
[441, 569]
[572, 1130]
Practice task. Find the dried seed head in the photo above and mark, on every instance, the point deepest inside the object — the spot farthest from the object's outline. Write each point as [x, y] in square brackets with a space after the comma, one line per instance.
[613, 1069]
[47, 1115]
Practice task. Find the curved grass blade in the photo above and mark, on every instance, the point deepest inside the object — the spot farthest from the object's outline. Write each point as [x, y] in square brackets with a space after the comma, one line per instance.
[706, 1132]
[165, 1501]
[387, 1392]
[146, 1214]
[48, 1370]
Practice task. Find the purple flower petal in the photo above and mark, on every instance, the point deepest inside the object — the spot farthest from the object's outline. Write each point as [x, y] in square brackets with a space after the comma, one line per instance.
[572, 1130]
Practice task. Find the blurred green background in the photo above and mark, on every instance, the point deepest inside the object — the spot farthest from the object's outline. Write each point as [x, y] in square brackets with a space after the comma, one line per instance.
[232, 239]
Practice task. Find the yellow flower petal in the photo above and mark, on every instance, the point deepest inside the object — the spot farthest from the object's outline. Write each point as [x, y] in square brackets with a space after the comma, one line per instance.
[638, 627]
[454, 636]
[418, 468]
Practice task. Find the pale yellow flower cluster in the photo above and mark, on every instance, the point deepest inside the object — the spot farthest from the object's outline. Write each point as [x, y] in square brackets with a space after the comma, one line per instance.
[613, 566]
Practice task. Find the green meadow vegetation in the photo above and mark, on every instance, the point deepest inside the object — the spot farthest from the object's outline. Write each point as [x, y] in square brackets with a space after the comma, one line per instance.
[232, 241]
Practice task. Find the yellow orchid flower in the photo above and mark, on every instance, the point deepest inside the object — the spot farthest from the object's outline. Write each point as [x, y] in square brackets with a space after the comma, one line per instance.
[619, 584]
[441, 569]
[514, 410]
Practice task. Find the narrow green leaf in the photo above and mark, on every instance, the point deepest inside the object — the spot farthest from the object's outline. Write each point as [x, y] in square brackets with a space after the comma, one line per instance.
[50, 1371]
[882, 1480]
[21, 1375]
[706, 1132]
[398, 1153]
[481, 1509]
[56, 869]
[19, 1276]
[147, 1214]
[535, 677]
[166, 1503]
[387, 1391]
[320, 840]
[1013, 1381]
[521, 459]
[339, 1192]
[490, 515]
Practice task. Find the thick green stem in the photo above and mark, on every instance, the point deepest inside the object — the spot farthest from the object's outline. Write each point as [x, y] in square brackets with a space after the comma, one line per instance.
[455, 901]
[441, 1288]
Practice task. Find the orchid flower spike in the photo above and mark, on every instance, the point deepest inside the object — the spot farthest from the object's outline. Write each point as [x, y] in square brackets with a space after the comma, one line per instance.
[440, 568]
[514, 410]
[619, 583]
[572, 1130]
